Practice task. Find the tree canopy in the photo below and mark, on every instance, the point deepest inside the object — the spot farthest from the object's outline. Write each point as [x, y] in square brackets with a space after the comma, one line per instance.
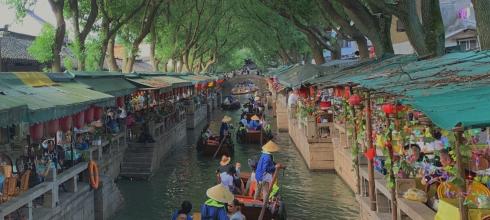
[217, 35]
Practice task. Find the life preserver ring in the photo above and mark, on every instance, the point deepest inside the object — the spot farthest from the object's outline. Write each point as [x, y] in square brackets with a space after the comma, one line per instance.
[93, 172]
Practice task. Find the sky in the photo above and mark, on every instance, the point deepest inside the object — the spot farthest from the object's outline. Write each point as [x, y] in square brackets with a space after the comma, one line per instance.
[29, 25]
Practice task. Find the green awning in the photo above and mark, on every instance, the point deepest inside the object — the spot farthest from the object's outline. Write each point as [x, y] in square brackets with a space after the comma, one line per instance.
[196, 78]
[115, 86]
[11, 110]
[174, 81]
[297, 75]
[45, 103]
[150, 83]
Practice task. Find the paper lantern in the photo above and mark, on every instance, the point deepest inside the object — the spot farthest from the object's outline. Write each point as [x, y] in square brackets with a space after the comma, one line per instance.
[338, 92]
[388, 108]
[36, 131]
[53, 126]
[370, 153]
[303, 92]
[355, 100]
[89, 115]
[79, 120]
[324, 105]
[66, 123]
[98, 111]
[312, 91]
[346, 92]
[120, 101]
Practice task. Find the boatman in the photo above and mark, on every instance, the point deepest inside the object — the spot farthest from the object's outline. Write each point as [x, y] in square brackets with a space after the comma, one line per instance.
[225, 127]
[265, 169]
[214, 208]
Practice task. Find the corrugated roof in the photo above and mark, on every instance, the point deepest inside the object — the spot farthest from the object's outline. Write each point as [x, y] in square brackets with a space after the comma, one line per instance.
[51, 102]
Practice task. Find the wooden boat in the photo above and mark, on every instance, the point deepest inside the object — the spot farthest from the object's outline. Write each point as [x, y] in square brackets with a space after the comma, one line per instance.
[252, 208]
[234, 105]
[242, 91]
[210, 146]
[252, 136]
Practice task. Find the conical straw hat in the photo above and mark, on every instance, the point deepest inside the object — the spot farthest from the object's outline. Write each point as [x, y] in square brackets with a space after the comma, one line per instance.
[257, 98]
[220, 193]
[225, 160]
[270, 147]
[255, 118]
[226, 119]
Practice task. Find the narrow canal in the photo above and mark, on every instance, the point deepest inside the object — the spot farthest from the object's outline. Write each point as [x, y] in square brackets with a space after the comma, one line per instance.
[185, 175]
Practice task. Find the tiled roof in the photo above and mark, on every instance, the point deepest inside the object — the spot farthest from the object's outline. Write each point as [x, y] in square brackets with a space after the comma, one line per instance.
[14, 46]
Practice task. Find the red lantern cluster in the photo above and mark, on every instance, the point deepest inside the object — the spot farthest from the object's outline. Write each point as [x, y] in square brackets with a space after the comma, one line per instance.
[53, 127]
[312, 91]
[89, 115]
[303, 92]
[354, 100]
[79, 120]
[346, 92]
[66, 123]
[36, 131]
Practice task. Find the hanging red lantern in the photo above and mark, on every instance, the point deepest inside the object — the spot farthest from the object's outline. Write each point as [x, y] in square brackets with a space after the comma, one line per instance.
[79, 120]
[400, 108]
[346, 92]
[388, 108]
[312, 91]
[36, 131]
[120, 101]
[338, 92]
[98, 111]
[303, 92]
[355, 100]
[89, 115]
[53, 127]
[66, 123]
[370, 154]
[324, 105]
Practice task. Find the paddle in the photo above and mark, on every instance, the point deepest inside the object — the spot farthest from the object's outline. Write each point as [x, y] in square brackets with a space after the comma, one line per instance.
[219, 147]
[266, 200]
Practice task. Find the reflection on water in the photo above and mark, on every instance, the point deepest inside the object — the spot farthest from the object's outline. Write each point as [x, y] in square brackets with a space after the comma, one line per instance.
[185, 175]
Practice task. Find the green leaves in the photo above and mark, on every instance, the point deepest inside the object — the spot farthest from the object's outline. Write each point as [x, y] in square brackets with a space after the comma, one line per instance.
[41, 47]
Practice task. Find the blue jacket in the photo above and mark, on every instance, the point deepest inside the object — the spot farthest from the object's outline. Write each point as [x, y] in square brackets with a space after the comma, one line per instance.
[174, 216]
[265, 165]
[224, 127]
[213, 213]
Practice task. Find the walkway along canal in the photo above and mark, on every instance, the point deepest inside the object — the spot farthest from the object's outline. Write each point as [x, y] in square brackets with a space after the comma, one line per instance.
[185, 175]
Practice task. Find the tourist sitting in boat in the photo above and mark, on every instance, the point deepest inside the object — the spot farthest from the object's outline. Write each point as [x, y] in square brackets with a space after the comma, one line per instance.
[229, 175]
[251, 185]
[214, 208]
[265, 169]
[208, 136]
[234, 210]
[255, 123]
[184, 213]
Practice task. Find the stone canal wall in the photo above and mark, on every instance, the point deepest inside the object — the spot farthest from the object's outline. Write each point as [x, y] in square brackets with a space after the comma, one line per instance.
[196, 116]
[281, 113]
[317, 153]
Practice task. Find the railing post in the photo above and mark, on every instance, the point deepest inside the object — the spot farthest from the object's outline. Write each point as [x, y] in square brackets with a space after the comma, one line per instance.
[51, 198]
[27, 211]
[72, 184]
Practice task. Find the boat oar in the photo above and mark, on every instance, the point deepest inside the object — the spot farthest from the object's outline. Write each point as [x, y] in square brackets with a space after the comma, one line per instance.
[219, 147]
[266, 200]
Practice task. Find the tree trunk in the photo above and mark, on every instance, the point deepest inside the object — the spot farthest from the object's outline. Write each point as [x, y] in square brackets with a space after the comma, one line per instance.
[153, 43]
[434, 27]
[316, 49]
[413, 28]
[165, 66]
[174, 65]
[482, 14]
[362, 46]
[57, 7]
[376, 29]
[337, 50]
[111, 59]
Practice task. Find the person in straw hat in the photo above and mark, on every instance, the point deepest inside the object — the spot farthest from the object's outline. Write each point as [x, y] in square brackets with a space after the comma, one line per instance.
[255, 123]
[266, 168]
[214, 208]
[225, 127]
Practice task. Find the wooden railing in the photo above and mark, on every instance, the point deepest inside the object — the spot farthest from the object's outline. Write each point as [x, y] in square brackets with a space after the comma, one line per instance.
[23, 204]
[314, 132]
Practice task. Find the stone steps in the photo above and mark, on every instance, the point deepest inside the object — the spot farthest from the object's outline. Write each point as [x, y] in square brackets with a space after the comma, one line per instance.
[137, 175]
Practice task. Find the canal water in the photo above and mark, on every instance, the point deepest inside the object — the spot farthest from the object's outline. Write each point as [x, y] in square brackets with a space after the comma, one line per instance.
[185, 175]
